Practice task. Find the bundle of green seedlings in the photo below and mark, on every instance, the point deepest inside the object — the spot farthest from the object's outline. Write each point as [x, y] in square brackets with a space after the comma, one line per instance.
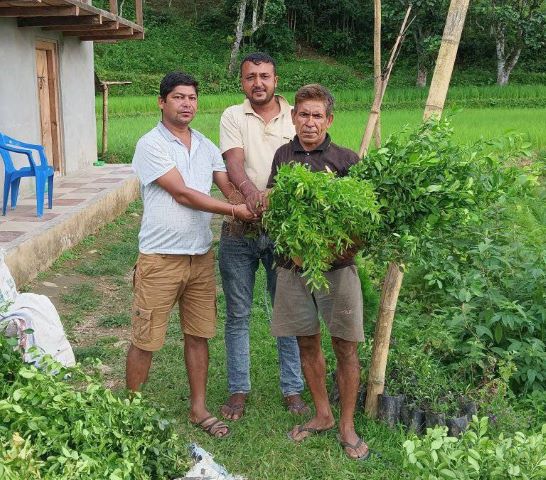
[63, 423]
[315, 216]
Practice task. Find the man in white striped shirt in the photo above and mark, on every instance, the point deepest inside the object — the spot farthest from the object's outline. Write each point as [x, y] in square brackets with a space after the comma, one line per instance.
[176, 166]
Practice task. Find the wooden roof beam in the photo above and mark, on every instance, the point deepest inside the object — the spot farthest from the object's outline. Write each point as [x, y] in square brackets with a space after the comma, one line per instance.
[111, 26]
[62, 21]
[37, 3]
[44, 11]
[19, 3]
[113, 37]
[121, 30]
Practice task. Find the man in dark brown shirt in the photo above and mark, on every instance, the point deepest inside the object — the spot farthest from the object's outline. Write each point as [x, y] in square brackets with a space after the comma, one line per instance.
[324, 156]
[296, 309]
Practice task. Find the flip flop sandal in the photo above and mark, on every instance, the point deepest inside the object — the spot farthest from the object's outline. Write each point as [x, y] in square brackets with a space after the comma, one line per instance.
[298, 407]
[311, 430]
[235, 409]
[354, 446]
[213, 427]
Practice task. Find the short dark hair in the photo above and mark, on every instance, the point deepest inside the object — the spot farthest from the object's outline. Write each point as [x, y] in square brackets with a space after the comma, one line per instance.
[258, 57]
[173, 79]
[314, 91]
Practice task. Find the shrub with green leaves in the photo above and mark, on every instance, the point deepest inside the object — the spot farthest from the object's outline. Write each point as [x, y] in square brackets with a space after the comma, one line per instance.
[62, 423]
[487, 285]
[475, 455]
[424, 182]
[315, 216]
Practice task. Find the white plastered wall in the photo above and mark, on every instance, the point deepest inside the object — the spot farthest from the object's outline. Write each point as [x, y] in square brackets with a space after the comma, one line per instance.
[19, 108]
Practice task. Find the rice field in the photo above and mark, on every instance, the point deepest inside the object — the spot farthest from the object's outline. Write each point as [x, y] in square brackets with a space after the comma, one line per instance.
[528, 96]
[470, 124]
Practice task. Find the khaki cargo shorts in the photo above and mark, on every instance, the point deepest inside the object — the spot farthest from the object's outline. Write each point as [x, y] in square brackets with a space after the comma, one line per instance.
[296, 310]
[159, 282]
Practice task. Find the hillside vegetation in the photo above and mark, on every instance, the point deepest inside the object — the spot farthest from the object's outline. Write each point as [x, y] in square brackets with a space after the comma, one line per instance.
[197, 37]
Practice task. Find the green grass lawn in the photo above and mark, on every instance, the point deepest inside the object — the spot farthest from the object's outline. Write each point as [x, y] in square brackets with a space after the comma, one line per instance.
[532, 96]
[94, 310]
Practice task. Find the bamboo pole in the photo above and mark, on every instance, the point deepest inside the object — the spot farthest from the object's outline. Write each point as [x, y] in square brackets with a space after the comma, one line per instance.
[376, 106]
[138, 10]
[393, 280]
[114, 7]
[382, 337]
[105, 88]
[446, 58]
[377, 64]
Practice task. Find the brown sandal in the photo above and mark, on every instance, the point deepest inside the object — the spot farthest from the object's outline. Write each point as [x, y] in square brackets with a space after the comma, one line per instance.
[354, 446]
[310, 430]
[297, 406]
[213, 427]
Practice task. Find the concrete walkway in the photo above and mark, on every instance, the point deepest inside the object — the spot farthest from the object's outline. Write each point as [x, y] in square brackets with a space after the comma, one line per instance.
[82, 203]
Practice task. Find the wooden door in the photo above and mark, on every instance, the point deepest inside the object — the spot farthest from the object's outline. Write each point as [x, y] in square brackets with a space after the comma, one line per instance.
[48, 96]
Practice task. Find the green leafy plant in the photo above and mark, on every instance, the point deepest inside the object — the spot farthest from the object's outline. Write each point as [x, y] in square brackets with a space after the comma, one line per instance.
[18, 460]
[315, 216]
[475, 455]
[63, 423]
[487, 284]
[425, 183]
[370, 294]
[423, 380]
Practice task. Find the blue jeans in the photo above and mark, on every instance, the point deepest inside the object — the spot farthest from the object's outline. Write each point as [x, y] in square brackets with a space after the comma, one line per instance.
[239, 260]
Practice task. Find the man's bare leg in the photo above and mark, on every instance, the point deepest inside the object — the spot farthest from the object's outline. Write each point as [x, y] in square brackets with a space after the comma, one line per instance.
[196, 356]
[137, 367]
[314, 370]
[348, 378]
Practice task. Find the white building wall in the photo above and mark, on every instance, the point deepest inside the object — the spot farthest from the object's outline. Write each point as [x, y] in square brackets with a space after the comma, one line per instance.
[78, 104]
[19, 113]
[19, 107]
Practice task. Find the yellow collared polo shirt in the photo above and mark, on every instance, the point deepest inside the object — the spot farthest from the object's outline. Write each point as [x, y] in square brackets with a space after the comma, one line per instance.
[242, 127]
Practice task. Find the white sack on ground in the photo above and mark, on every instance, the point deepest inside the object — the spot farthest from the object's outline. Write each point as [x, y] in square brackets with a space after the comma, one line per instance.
[206, 468]
[8, 291]
[36, 312]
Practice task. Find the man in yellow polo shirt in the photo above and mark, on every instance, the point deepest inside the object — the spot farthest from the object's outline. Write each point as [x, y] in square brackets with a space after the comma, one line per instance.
[250, 134]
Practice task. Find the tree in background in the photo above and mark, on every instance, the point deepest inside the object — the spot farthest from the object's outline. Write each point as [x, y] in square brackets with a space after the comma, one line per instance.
[425, 29]
[334, 27]
[515, 25]
[263, 11]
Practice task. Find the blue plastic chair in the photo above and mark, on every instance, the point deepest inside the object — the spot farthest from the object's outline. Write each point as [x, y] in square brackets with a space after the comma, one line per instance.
[12, 176]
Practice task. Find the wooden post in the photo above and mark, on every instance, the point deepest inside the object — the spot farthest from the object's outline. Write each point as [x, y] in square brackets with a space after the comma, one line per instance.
[105, 89]
[114, 7]
[376, 106]
[382, 337]
[104, 119]
[446, 58]
[138, 11]
[377, 64]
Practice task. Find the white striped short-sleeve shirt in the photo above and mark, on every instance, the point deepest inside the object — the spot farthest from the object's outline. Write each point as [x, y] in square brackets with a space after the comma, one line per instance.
[168, 227]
